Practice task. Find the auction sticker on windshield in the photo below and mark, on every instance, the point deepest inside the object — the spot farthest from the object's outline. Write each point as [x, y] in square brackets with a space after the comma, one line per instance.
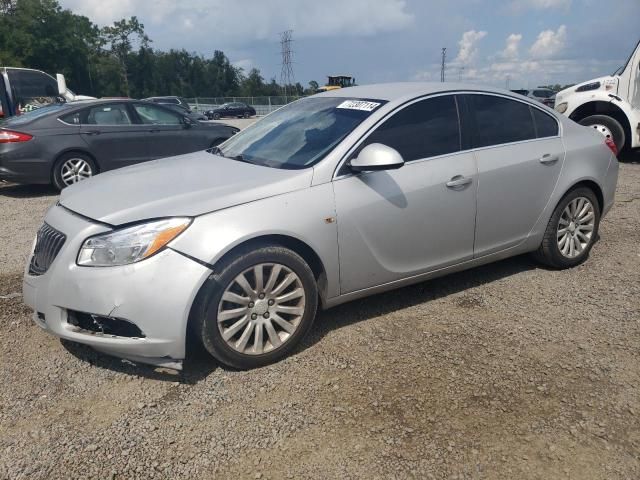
[359, 105]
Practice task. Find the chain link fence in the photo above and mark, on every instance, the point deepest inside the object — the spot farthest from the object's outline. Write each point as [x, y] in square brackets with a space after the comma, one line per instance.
[262, 105]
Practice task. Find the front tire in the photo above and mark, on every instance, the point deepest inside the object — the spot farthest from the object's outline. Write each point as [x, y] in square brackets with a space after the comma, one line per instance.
[216, 116]
[609, 127]
[261, 304]
[71, 168]
[571, 231]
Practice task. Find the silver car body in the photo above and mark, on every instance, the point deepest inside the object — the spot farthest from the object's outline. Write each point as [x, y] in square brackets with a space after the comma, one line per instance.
[369, 232]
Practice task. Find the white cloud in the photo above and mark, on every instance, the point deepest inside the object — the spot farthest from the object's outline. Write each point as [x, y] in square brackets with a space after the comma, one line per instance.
[549, 43]
[511, 50]
[249, 20]
[468, 48]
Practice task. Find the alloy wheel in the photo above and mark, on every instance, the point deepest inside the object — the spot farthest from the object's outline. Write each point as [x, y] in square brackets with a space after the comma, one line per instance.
[75, 170]
[604, 130]
[575, 227]
[261, 308]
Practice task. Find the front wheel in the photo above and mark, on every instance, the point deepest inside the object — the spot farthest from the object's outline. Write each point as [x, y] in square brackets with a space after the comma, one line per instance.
[73, 168]
[609, 127]
[216, 116]
[571, 231]
[262, 304]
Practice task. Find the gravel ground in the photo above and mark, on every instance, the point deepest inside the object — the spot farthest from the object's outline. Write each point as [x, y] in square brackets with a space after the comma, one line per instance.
[505, 371]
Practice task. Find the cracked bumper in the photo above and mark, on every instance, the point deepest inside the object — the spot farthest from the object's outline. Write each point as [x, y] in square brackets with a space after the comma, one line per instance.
[155, 294]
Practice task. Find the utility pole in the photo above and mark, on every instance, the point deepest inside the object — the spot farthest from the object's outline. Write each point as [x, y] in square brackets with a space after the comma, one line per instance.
[460, 73]
[444, 63]
[508, 81]
[286, 73]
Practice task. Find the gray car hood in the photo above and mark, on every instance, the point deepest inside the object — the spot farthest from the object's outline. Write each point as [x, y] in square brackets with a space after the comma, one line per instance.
[186, 185]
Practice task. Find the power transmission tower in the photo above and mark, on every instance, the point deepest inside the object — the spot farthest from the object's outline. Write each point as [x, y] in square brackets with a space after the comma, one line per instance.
[286, 74]
[444, 63]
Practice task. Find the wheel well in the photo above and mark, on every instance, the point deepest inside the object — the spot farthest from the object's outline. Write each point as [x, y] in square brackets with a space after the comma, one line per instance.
[305, 251]
[594, 187]
[603, 108]
[77, 150]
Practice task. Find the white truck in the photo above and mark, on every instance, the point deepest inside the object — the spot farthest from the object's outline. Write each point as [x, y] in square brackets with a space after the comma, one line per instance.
[609, 104]
[25, 89]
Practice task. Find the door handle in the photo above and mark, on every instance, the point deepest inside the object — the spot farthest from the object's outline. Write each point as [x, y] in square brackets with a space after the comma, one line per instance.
[459, 181]
[549, 159]
[91, 132]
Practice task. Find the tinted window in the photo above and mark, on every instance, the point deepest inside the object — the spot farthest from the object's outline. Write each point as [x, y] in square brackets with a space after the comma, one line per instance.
[543, 93]
[499, 120]
[72, 118]
[31, 89]
[546, 125]
[150, 114]
[110, 114]
[425, 129]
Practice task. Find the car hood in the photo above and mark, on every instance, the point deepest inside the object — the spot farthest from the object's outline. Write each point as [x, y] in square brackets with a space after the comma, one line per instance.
[186, 185]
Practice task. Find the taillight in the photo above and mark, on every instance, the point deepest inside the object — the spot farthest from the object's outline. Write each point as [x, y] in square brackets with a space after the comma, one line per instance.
[612, 145]
[9, 136]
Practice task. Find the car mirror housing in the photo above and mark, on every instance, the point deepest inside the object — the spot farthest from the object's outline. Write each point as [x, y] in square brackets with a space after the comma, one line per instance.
[376, 157]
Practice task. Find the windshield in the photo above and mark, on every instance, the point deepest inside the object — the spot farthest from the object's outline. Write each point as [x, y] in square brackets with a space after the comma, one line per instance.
[299, 134]
[33, 114]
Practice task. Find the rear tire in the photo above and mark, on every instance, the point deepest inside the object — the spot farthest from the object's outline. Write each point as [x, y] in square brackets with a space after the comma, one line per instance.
[572, 230]
[609, 127]
[245, 115]
[71, 168]
[232, 313]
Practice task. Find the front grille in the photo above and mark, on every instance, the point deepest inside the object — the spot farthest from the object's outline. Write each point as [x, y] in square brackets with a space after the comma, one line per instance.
[48, 244]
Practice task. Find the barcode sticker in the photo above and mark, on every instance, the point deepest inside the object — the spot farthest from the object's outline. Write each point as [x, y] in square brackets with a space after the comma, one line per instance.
[359, 105]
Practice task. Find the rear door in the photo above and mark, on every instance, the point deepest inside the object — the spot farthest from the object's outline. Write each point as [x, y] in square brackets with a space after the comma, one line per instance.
[169, 135]
[113, 136]
[520, 155]
[30, 89]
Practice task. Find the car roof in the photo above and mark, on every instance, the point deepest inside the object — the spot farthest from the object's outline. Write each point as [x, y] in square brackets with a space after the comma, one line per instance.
[407, 90]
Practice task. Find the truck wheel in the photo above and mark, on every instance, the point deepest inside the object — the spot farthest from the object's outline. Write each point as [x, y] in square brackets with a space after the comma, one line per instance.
[609, 127]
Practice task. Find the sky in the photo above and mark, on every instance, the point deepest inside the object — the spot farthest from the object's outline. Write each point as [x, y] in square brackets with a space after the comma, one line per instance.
[514, 43]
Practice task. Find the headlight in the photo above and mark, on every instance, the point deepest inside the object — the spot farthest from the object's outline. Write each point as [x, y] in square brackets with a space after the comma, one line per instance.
[130, 244]
[561, 107]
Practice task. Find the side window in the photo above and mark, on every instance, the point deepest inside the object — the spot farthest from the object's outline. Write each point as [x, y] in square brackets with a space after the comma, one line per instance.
[500, 120]
[109, 114]
[546, 125]
[425, 129]
[31, 89]
[150, 114]
[72, 118]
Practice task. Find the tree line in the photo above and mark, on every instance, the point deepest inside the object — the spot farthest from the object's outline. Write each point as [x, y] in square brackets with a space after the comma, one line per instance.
[119, 60]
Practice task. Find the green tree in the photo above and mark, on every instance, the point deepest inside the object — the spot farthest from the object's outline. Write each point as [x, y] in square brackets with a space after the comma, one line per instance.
[120, 38]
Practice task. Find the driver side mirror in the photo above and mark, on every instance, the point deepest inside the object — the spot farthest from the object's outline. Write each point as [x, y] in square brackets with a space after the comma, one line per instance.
[376, 157]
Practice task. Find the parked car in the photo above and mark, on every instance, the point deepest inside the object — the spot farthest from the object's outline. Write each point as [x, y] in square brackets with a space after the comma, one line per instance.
[171, 101]
[233, 109]
[69, 142]
[195, 116]
[329, 199]
[543, 95]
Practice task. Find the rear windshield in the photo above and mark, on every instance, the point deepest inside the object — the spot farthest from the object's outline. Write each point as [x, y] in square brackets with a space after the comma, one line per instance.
[300, 134]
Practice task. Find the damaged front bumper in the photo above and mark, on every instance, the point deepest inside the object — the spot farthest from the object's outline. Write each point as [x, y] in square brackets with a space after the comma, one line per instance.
[89, 305]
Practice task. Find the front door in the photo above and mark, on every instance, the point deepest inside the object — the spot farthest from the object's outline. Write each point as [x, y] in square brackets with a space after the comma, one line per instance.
[169, 134]
[400, 223]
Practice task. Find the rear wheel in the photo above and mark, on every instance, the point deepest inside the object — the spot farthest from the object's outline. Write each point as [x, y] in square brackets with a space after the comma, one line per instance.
[246, 115]
[261, 305]
[73, 168]
[609, 127]
[571, 231]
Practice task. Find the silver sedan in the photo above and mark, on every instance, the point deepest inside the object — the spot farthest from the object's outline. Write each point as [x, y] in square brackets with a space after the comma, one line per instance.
[329, 199]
